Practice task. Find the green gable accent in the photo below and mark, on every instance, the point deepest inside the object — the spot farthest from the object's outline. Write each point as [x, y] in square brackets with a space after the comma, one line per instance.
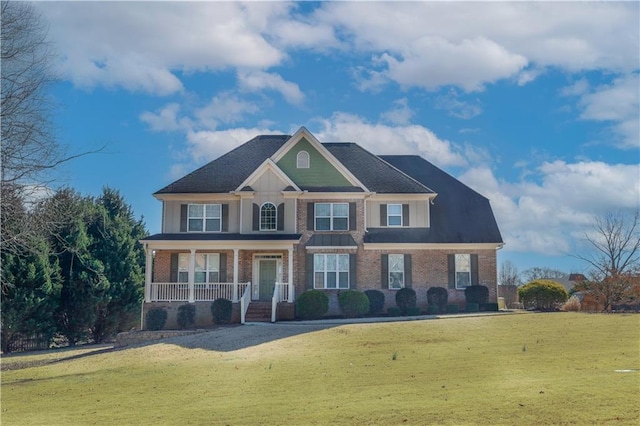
[320, 173]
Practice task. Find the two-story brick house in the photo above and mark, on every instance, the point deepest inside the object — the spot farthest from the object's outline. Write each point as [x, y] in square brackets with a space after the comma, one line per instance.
[281, 214]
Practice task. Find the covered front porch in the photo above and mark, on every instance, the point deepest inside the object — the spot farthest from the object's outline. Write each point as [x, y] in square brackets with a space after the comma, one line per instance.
[199, 271]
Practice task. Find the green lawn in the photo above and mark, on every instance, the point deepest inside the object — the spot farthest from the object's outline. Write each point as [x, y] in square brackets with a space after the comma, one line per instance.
[527, 369]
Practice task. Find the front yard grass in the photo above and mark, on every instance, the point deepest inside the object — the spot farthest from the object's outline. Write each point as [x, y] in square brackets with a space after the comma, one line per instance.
[559, 368]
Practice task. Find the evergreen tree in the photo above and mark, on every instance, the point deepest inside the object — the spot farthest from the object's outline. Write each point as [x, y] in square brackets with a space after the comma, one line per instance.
[115, 237]
[28, 306]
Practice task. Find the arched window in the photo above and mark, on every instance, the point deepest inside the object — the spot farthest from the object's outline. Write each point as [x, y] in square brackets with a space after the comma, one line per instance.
[302, 160]
[268, 217]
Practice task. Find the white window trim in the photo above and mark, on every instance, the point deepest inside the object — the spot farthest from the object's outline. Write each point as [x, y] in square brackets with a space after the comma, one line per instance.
[390, 272]
[456, 270]
[275, 223]
[331, 217]
[337, 271]
[204, 217]
[389, 215]
[303, 160]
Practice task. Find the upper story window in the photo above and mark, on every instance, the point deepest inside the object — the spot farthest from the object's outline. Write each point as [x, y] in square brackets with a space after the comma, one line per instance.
[332, 216]
[463, 270]
[268, 217]
[204, 217]
[302, 160]
[394, 214]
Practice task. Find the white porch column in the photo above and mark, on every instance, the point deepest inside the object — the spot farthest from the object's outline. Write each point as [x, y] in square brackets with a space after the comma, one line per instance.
[192, 276]
[148, 274]
[235, 274]
[290, 272]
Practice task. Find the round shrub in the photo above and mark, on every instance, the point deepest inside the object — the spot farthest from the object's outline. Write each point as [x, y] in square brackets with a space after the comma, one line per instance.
[376, 301]
[473, 307]
[490, 307]
[542, 294]
[414, 311]
[221, 310]
[476, 294]
[405, 299]
[394, 311]
[312, 304]
[433, 310]
[438, 296]
[156, 319]
[353, 303]
[453, 308]
[186, 316]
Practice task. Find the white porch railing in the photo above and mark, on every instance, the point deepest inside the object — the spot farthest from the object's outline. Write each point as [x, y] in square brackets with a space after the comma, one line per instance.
[281, 292]
[203, 292]
[245, 300]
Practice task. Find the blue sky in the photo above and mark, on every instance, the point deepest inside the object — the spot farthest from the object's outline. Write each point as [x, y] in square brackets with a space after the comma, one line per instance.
[532, 104]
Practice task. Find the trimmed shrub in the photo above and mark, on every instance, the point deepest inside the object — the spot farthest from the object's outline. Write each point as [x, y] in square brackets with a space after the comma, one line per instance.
[394, 311]
[453, 308]
[489, 307]
[353, 303]
[433, 310]
[405, 299]
[376, 301]
[542, 294]
[414, 311]
[156, 319]
[438, 296]
[476, 294]
[312, 304]
[186, 316]
[221, 310]
[472, 307]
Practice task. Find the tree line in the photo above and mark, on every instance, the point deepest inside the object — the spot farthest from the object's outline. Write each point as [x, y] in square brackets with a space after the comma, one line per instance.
[82, 278]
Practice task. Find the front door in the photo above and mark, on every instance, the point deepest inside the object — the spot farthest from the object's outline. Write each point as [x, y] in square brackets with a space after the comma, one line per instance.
[267, 278]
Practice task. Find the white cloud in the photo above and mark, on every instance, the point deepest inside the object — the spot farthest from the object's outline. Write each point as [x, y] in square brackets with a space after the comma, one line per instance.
[165, 120]
[429, 44]
[139, 46]
[400, 113]
[547, 212]
[432, 62]
[457, 108]
[259, 80]
[225, 108]
[619, 103]
[383, 139]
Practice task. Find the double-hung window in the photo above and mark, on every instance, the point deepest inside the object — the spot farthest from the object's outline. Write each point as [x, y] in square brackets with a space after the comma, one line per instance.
[204, 217]
[332, 216]
[268, 217]
[331, 271]
[394, 214]
[396, 271]
[207, 267]
[463, 270]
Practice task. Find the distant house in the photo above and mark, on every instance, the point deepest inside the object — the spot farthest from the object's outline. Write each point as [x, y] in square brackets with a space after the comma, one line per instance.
[282, 214]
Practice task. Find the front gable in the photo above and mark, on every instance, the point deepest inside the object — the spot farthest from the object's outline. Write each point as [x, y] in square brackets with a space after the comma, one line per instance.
[318, 167]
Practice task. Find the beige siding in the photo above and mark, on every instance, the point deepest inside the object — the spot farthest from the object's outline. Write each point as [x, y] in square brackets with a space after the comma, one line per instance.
[418, 213]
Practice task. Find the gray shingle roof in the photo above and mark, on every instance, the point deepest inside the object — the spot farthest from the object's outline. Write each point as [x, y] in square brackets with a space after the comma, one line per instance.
[227, 172]
[459, 214]
[377, 175]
